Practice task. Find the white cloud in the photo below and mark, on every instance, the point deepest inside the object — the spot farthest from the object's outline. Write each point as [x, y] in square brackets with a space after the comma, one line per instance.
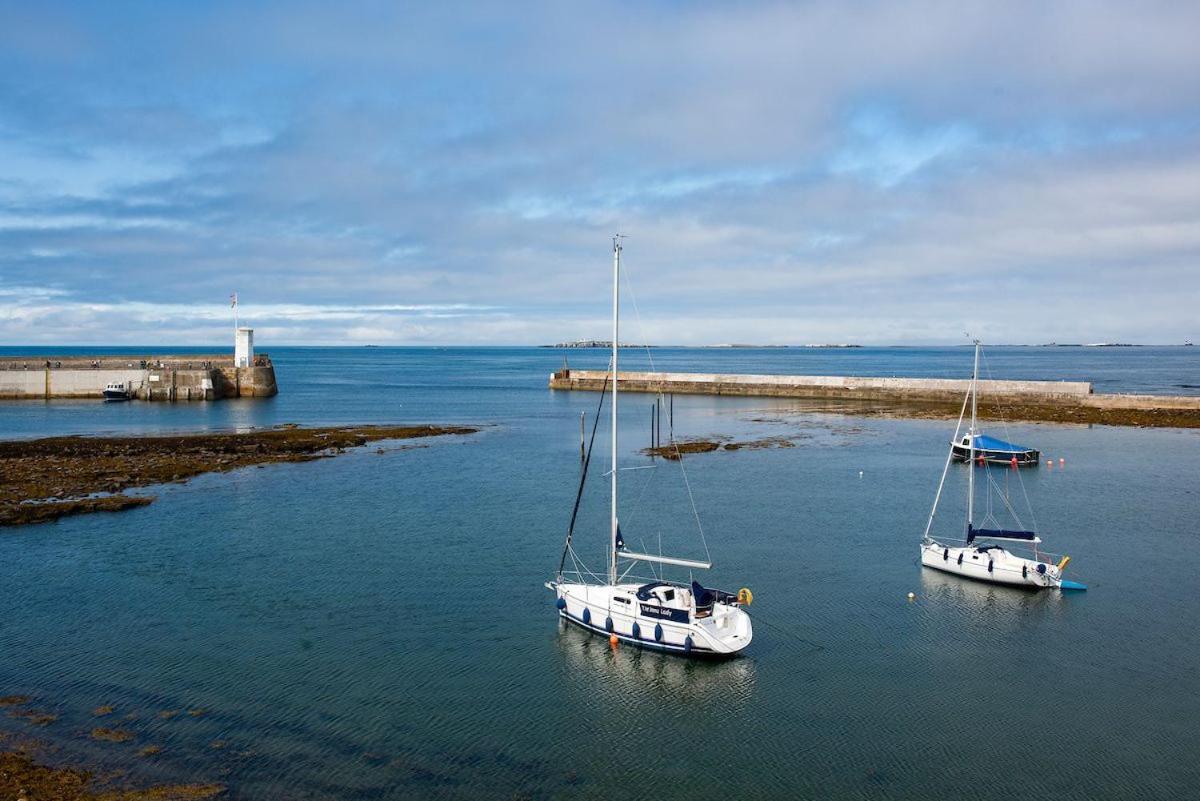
[786, 172]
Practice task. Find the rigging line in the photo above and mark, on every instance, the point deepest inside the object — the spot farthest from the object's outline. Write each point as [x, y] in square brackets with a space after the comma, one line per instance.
[653, 572]
[759, 619]
[1020, 479]
[583, 476]
[678, 456]
[629, 570]
[638, 315]
[581, 568]
[946, 468]
[1012, 511]
[637, 502]
[692, 501]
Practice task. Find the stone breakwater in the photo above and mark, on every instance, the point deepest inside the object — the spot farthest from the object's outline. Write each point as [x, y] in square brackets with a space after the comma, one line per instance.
[44, 479]
[159, 378]
[1036, 401]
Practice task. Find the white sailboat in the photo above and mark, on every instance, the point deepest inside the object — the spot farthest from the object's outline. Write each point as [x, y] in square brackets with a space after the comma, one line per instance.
[984, 555]
[677, 617]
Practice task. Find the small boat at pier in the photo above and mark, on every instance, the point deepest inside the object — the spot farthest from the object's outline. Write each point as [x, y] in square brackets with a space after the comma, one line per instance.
[116, 391]
[678, 617]
[985, 555]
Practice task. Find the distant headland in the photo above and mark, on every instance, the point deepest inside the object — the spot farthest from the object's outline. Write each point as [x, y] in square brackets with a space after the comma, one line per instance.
[607, 343]
[595, 343]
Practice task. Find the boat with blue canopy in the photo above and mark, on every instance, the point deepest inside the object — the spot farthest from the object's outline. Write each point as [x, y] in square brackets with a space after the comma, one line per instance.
[989, 552]
[991, 449]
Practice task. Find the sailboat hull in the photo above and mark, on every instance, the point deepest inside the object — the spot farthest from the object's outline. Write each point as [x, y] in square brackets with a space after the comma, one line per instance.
[609, 611]
[1028, 457]
[994, 565]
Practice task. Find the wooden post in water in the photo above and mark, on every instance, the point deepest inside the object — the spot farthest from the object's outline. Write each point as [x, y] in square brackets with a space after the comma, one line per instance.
[671, 419]
[582, 451]
[658, 417]
[652, 425]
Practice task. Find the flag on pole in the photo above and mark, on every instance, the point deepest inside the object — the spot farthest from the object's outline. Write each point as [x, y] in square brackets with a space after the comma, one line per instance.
[233, 301]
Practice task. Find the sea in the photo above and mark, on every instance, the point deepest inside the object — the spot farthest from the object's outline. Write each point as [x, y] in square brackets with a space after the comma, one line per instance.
[376, 625]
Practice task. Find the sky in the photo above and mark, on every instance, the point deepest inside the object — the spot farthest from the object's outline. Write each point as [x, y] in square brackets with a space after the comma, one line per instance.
[445, 173]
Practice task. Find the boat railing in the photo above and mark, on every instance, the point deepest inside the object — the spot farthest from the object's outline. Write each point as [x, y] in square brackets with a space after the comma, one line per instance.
[588, 577]
[1009, 545]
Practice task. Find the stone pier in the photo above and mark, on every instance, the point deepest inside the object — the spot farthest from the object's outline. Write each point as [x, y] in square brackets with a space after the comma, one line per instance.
[1051, 401]
[158, 378]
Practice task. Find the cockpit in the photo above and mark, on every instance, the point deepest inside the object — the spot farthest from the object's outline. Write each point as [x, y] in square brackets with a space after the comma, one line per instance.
[664, 593]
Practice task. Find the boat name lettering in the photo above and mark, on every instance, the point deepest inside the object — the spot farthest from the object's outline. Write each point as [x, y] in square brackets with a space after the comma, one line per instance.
[663, 613]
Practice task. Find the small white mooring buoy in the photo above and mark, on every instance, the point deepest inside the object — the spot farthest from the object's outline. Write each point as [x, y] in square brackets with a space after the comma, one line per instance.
[860, 474]
[912, 595]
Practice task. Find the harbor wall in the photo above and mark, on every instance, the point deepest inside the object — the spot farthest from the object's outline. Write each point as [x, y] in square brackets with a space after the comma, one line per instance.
[916, 390]
[149, 378]
[1044, 401]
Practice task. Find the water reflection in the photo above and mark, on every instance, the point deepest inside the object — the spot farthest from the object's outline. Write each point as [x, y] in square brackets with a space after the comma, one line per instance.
[644, 677]
[1000, 602]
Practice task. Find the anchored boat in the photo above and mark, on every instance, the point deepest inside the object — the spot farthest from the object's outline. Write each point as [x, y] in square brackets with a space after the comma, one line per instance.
[678, 617]
[984, 554]
[993, 450]
[116, 391]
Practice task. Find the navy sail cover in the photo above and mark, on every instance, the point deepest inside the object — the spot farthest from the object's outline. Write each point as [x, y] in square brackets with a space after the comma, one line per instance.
[704, 597]
[999, 534]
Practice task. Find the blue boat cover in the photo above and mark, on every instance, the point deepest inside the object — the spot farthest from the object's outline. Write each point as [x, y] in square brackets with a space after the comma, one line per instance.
[704, 597]
[986, 443]
[999, 534]
[643, 593]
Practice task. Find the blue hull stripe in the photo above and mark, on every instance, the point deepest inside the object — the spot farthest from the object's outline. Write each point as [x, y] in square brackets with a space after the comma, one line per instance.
[649, 644]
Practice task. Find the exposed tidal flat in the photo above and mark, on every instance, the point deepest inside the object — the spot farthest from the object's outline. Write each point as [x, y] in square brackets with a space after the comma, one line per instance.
[376, 627]
[45, 479]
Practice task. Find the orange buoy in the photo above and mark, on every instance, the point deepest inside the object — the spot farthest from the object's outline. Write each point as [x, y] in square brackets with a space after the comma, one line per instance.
[1014, 463]
[1061, 460]
[612, 640]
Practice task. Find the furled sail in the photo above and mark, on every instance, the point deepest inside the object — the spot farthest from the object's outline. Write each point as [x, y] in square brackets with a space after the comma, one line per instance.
[1000, 534]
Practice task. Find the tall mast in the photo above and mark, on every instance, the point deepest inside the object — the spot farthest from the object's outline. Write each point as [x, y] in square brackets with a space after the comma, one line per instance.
[971, 460]
[612, 540]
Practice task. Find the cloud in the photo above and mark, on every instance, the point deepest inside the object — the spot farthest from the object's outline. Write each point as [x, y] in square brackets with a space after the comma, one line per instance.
[786, 172]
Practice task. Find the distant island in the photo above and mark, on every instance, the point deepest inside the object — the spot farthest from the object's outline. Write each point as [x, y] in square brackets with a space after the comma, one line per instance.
[739, 345]
[594, 343]
[1089, 345]
[607, 343]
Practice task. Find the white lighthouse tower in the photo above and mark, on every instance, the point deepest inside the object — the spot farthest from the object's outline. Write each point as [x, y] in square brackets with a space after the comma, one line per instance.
[243, 347]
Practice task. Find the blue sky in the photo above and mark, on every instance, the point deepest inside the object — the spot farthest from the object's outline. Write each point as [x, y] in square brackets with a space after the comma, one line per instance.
[451, 173]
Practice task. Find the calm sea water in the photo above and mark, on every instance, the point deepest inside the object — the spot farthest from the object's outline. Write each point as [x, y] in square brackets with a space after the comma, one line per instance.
[375, 626]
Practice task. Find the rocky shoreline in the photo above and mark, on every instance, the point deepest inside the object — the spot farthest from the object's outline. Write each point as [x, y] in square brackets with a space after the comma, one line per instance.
[23, 777]
[45, 479]
[1013, 413]
[674, 451]
[30, 769]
